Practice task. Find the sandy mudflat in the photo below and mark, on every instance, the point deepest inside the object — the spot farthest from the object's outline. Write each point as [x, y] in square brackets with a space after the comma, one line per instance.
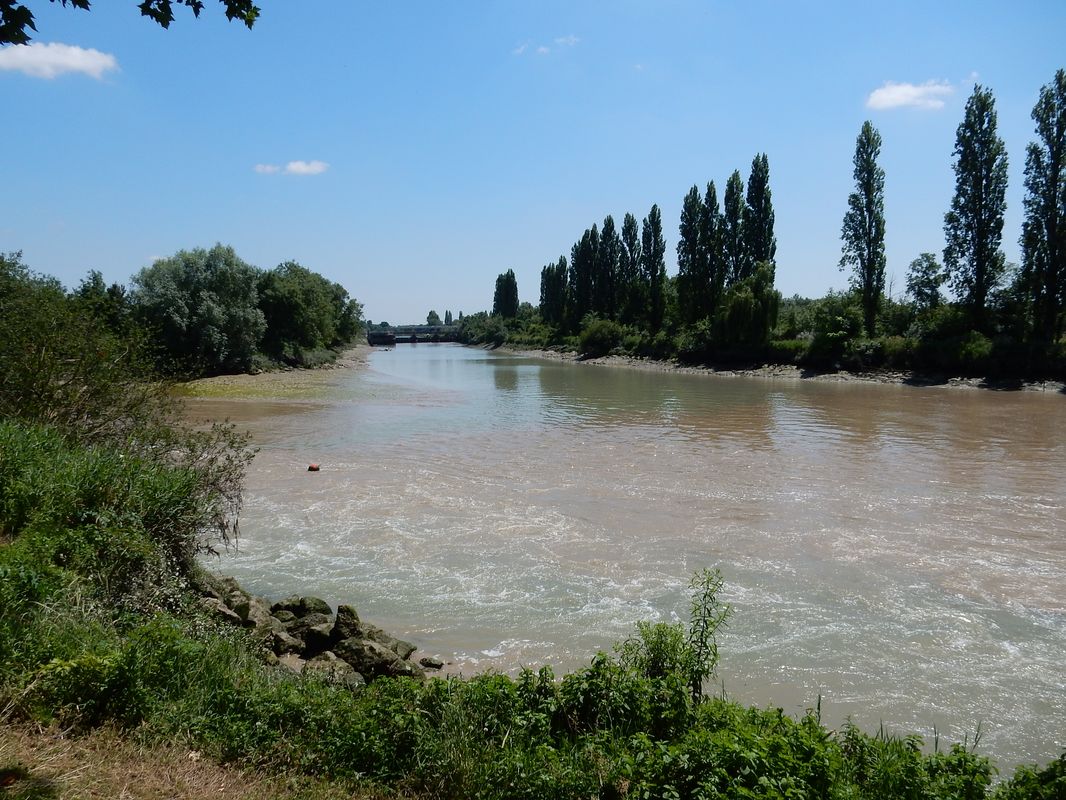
[293, 384]
[788, 372]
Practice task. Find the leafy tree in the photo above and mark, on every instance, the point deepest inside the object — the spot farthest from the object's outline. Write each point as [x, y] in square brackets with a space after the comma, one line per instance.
[760, 244]
[15, 17]
[748, 311]
[732, 229]
[973, 227]
[653, 267]
[925, 276]
[108, 305]
[1044, 231]
[433, 318]
[203, 306]
[632, 289]
[505, 299]
[304, 311]
[553, 292]
[447, 317]
[863, 231]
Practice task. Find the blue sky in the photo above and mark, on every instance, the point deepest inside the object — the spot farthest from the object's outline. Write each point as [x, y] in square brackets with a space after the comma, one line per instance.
[413, 151]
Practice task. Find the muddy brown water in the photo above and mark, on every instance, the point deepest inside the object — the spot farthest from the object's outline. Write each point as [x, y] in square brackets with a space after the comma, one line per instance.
[899, 552]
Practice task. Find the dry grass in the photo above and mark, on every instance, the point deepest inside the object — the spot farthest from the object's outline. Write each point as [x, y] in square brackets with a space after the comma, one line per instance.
[52, 765]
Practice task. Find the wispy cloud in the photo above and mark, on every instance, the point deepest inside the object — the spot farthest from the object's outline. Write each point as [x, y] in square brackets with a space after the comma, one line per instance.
[53, 59]
[293, 168]
[306, 167]
[928, 95]
[543, 49]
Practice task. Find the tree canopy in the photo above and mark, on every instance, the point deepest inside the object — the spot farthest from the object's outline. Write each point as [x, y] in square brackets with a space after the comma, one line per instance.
[16, 18]
[863, 232]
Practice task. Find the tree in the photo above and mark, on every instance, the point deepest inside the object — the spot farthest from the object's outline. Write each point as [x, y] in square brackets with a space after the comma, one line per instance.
[973, 228]
[925, 276]
[15, 18]
[760, 244]
[631, 288]
[447, 317]
[692, 277]
[1044, 230]
[203, 306]
[653, 267]
[863, 232]
[608, 254]
[732, 229]
[433, 318]
[583, 276]
[711, 244]
[505, 299]
[553, 292]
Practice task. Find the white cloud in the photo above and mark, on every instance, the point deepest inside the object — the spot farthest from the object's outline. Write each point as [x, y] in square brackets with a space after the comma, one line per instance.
[543, 51]
[520, 49]
[929, 95]
[567, 41]
[52, 59]
[306, 167]
[267, 169]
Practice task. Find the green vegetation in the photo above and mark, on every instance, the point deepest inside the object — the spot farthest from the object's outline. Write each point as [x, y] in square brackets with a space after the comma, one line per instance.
[105, 501]
[1003, 322]
[199, 312]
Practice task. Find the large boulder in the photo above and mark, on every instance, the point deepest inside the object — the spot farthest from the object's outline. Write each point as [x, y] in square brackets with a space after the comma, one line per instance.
[334, 670]
[369, 657]
[254, 613]
[398, 646]
[301, 606]
[282, 642]
[348, 624]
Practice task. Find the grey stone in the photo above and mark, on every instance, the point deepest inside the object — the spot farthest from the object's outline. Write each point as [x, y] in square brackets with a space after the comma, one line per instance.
[254, 613]
[283, 615]
[293, 663]
[368, 657]
[317, 638]
[282, 642]
[347, 624]
[299, 626]
[431, 662]
[301, 606]
[398, 646]
[219, 610]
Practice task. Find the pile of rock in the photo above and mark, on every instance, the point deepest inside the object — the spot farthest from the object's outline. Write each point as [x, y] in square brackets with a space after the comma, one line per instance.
[303, 634]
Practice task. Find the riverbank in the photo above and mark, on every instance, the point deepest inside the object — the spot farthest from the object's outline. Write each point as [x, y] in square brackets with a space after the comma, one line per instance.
[793, 373]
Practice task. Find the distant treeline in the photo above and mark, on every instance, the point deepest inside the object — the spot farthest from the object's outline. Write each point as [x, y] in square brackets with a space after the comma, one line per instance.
[199, 312]
[1002, 319]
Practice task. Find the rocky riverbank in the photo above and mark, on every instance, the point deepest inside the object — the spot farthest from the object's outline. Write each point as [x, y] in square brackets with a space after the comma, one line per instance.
[304, 635]
[790, 372]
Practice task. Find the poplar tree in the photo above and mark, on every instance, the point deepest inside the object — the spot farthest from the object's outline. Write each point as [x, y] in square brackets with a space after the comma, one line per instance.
[691, 271]
[1044, 230]
[653, 267]
[553, 292]
[973, 228]
[732, 229]
[630, 286]
[760, 244]
[582, 275]
[863, 232]
[505, 298]
[607, 256]
[711, 238]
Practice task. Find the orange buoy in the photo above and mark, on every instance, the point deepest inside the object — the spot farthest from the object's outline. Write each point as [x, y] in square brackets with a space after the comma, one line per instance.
[312, 467]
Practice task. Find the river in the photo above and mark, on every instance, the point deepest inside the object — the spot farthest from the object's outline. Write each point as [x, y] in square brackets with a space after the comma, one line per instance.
[899, 552]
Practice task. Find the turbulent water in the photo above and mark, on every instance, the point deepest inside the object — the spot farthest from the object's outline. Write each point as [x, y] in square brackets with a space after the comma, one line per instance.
[899, 552]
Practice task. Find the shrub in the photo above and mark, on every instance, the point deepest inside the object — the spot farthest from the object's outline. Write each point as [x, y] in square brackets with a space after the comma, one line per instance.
[599, 337]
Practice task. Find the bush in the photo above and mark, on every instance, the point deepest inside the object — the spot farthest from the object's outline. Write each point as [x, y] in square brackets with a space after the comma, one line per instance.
[599, 337]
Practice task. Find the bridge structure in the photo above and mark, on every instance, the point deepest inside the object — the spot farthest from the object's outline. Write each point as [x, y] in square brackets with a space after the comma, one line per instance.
[412, 334]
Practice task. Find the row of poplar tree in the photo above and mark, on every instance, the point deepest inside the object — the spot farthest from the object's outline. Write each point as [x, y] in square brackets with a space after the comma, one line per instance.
[621, 276]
